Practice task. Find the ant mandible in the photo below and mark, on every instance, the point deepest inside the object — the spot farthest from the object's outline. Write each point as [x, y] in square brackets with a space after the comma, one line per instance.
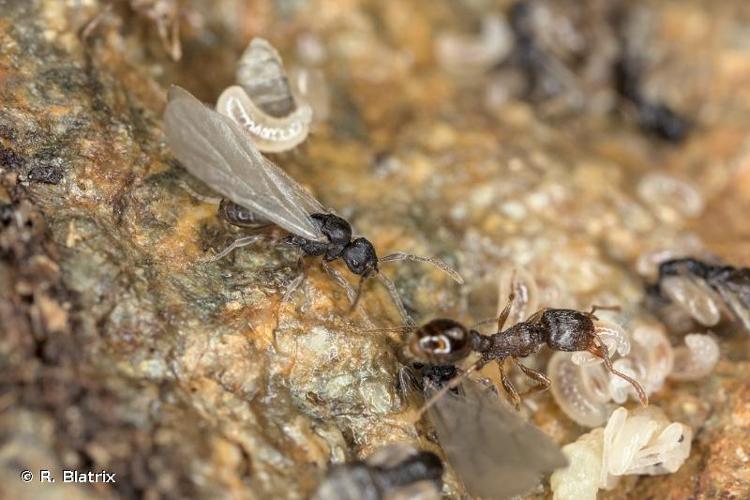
[445, 342]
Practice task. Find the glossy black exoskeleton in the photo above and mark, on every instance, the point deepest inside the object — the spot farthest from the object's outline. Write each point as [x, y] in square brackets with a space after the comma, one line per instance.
[358, 254]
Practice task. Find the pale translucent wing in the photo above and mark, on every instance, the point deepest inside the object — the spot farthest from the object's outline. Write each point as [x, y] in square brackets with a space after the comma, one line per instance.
[495, 453]
[217, 151]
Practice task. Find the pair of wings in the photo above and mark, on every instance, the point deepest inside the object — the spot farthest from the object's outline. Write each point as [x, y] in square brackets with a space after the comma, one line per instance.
[217, 151]
[494, 451]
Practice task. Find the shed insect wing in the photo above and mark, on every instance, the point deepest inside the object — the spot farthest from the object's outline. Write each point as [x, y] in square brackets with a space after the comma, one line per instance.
[495, 453]
[217, 151]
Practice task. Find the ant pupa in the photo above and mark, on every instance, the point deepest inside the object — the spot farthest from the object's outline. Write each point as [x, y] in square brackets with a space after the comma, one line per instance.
[709, 282]
[216, 150]
[393, 472]
[445, 341]
[495, 453]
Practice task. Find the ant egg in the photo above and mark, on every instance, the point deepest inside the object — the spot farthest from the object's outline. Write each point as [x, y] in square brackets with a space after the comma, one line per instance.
[654, 353]
[665, 191]
[579, 392]
[695, 297]
[696, 359]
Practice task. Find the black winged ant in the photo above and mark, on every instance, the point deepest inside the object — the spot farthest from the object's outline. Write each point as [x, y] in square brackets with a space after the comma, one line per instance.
[216, 150]
[393, 471]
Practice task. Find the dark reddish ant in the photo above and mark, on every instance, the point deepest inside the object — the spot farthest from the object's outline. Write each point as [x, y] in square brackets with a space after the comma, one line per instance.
[445, 342]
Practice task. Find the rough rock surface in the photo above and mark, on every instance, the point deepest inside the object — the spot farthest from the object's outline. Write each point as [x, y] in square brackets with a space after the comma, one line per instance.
[121, 349]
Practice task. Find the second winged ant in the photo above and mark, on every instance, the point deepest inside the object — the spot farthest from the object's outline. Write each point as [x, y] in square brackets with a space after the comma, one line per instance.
[732, 284]
[494, 451]
[216, 150]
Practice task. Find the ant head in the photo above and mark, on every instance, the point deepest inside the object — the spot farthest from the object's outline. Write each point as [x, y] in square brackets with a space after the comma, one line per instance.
[360, 257]
[441, 342]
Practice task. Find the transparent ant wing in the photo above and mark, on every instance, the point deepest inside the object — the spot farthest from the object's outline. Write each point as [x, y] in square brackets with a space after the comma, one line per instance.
[217, 151]
[494, 451]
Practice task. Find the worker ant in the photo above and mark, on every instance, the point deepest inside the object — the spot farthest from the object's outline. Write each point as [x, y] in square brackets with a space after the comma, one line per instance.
[445, 342]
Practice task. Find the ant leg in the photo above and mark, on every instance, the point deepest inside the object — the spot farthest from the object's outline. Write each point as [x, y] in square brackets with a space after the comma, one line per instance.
[351, 294]
[543, 382]
[358, 293]
[510, 389]
[534, 318]
[501, 318]
[238, 243]
[595, 308]
[599, 349]
[339, 279]
[296, 282]
[506, 311]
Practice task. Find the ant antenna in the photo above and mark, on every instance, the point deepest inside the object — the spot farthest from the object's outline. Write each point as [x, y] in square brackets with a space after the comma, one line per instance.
[388, 284]
[429, 260]
[447, 387]
[600, 350]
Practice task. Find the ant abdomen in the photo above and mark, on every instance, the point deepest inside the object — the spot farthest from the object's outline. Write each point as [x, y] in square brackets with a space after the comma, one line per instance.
[567, 329]
[240, 216]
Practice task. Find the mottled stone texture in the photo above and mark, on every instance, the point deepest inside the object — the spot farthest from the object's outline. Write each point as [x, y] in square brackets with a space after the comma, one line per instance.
[120, 349]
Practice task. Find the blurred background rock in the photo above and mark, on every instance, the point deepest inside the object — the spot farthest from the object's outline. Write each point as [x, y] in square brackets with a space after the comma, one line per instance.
[121, 350]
